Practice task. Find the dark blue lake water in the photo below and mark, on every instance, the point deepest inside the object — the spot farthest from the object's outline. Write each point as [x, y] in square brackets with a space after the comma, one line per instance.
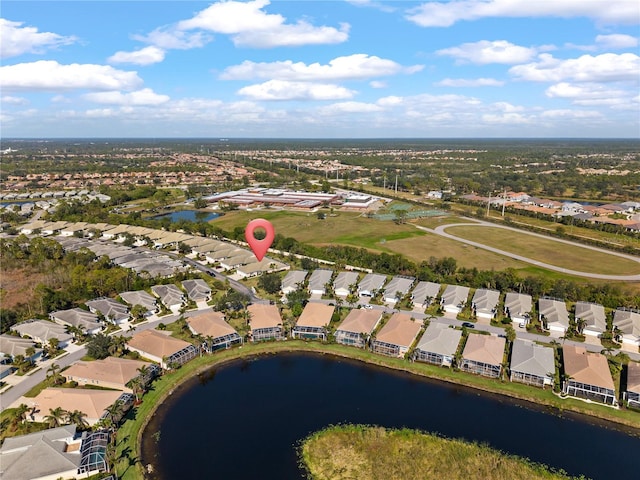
[189, 215]
[245, 419]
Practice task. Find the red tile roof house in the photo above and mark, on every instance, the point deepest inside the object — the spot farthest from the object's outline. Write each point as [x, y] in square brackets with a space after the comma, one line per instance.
[162, 348]
[111, 372]
[396, 336]
[313, 321]
[483, 355]
[588, 375]
[632, 395]
[217, 333]
[265, 322]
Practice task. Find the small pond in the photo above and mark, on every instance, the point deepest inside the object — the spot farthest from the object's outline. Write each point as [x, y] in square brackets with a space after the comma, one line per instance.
[189, 215]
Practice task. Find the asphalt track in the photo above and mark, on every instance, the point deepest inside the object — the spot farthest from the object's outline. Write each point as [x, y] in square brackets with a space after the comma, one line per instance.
[478, 223]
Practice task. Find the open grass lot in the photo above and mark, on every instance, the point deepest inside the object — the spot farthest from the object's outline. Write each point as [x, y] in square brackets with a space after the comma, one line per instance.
[548, 250]
[371, 453]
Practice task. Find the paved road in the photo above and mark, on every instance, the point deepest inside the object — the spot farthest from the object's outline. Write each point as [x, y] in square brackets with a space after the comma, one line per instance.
[441, 231]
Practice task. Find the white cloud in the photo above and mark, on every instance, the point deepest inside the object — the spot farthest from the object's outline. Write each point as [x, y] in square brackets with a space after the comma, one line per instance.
[506, 118]
[146, 96]
[469, 82]
[49, 75]
[372, 4]
[358, 66]
[592, 94]
[16, 39]
[169, 38]
[9, 100]
[144, 56]
[285, 90]
[445, 14]
[377, 84]
[616, 40]
[572, 114]
[485, 52]
[250, 26]
[608, 67]
[350, 107]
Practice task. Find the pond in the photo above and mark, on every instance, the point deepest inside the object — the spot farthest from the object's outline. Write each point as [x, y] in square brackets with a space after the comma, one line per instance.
[189, 215]
[245, 419]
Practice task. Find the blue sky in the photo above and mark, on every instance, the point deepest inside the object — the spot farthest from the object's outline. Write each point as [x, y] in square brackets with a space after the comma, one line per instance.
[328, 69]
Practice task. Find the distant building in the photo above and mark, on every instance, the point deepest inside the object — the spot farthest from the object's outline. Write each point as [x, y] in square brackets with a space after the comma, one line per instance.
[112, 310]
[398, 286]
[197, 290]
[170, 296]
[454, 298]
[438, 345]
[425, 294]
[588, 375]
[318, 281]
[357, 327]
[41, 331]
[370, 284]
[344, 282]
[79, 318]
[142, 298]
[292, 280]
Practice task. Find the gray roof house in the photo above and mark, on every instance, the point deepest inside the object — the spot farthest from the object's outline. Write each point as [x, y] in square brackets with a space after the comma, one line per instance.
[79, 318]
[170, 296]
[343, 282]
[424, 294]
[485, 303]
[592, 316]
[632, 395]
[140, 297]
[317, 281]
[371, 283]
[42, 331]
[197, 290]
[398, 285]
[454, 298]
[628, 322]
[438, 345]
[518, 306]
[553, 314]
[292, 280]
[112, 310]
[10, 346]
[532, 363]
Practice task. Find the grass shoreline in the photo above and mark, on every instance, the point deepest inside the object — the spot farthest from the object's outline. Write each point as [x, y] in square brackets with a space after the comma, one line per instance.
[129, 447]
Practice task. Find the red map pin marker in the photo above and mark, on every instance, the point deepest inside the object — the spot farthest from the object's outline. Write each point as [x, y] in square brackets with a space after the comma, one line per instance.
[259, 247]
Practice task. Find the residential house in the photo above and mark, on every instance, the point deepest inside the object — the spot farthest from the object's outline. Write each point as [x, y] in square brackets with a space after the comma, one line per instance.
[237, 258]
[313, 321]
[485, 303]
[142, 298]
[532, 364]
[438, 345]
[217, 333]
[587, 375]
[54, 453]
[553, 314]
[12, 346]
[454, 298]
[627, 322]
[344, 283]
[357, 327]
[41, 331]
[425, 294]
[371, 284]
[112, 310]
[79, 318]
[483, 355]
[111, 372]
[396, 336]
[266, 265]
[170, 296]
[162, 348]
[590, 318]
[632, 395]
[518, 306]
[265, 322]
[318, 281]
[197, 290]
[397, 288]
[292, 281]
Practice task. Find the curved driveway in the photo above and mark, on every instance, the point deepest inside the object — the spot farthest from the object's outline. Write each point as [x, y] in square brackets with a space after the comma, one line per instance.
[476, 223]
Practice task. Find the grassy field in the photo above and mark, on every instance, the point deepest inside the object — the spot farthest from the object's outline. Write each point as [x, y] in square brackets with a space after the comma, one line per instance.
[348, 452]
[548, 250]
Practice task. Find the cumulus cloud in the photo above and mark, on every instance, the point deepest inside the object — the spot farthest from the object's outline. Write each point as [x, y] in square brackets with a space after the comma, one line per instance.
[250, 26]
[146, 96]
[485, 52]
[49, 75]
[608, 67]
[377, 84]
[286, 90]
[16, 39]
[358, 66]
[616, 40]
[144, 56]
[350, 107]
[469, 82]
[10, 100]
[592, 94]
[170, 38]
[445, 14]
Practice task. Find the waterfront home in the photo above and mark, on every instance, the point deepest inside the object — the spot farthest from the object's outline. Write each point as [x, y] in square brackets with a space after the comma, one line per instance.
[485, 303]
[397, 288]
[590, 318]
[632, 395]
[425, 294]
[265, 322]
[532, 364]
[112, 310]
[358, 326]
[162, 348]
[313, 321]
[518, 306]
[254, 268]
[12, 346]
[76, 317]
[292, 281]
[197, 290]
[111, 372]
[627, 322]
[217, 333]
[142, 298]
[170, 296]
[41, 331]
[454, 298]
[345, 283]
[587, 375]
[438, 345]
[553, 314]
[483, 355]
[370, 284]
[318, 281]
[396, 336]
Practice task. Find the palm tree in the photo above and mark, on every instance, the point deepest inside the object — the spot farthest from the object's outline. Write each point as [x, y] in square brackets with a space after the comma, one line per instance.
[56, 417]
[137, 386]
[115, 412]
[55, 376]
[118, 345]
[20, 414]
[78, 418]
[143, 374]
